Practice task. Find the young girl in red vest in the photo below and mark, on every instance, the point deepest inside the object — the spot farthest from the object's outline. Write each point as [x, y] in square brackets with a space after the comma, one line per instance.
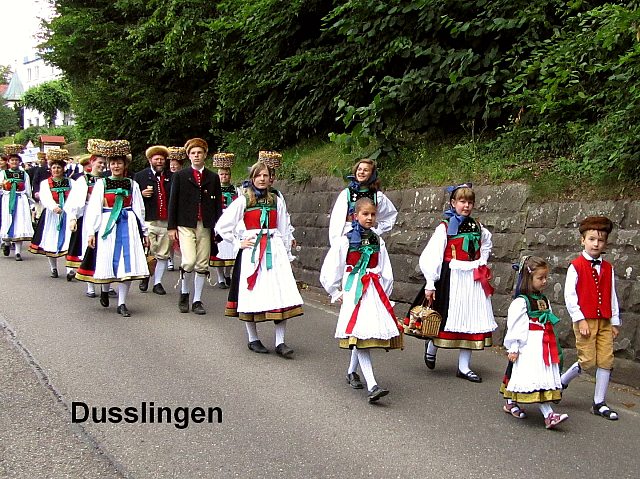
[533, 375]
[454, 264]
[357, 272]
[590, 296]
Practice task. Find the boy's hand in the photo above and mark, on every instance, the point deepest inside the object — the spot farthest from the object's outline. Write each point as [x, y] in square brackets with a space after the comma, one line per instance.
[583, 326]
[615, 330]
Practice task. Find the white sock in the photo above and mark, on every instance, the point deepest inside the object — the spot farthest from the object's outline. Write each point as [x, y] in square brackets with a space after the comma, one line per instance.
[463, 360]
[546, 409]
[91, 288]
[220, 273]
[431, 348]
[364, 358]
[198, 284]
[53, 263]
[227, 271]
[69, 270]
[161, 267]
[123, 289]
[18, 245]
[602, 383]
[252, 331]
[105, 287]
[186, 282]
[281, 327]
[570, 374]
[353, 364]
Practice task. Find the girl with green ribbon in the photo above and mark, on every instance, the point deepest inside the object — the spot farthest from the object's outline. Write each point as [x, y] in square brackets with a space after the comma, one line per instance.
[533, 374]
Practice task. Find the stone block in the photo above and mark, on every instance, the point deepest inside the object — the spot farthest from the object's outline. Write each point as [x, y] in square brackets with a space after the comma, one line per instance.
[542, 215]
[501, 223]
[500, 304]
[407, 242]
[570, 214]
[396, 196]
[405, 268]
[423, 200]
[503, 198]
[541, 238]
[626, 238]
[626, 372]
[503, 277]
[404, 293]
[632, 216]
[504, 246]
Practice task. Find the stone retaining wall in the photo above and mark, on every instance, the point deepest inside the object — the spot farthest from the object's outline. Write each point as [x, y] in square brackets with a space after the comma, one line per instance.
[519, 226]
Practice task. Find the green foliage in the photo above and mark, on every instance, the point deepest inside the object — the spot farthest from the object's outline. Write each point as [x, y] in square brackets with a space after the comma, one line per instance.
[48, 98]
[33, 133]
[5, 74]
[9, 120]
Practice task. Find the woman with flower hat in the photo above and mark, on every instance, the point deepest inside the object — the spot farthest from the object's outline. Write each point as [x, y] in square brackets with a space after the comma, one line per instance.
[16, 203]
[117, 232]
[224, 258]
[364, 183]
[51, 237]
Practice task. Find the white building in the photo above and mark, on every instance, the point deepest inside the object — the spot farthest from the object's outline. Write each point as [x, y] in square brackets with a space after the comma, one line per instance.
[33, 72]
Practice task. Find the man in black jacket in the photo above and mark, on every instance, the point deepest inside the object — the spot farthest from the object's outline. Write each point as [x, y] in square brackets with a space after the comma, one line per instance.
[195, 205]
[155, 186]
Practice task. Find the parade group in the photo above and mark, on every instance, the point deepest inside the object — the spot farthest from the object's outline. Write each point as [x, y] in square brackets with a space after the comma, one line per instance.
[112, 226]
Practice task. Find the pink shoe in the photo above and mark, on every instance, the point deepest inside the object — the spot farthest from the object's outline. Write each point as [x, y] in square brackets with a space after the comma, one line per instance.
[553, 419]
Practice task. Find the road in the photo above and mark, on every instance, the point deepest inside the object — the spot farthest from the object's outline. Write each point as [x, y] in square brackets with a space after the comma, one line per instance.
[280, 418]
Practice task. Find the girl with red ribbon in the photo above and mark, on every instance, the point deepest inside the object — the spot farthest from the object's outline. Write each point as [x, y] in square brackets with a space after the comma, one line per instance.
[357, 272]
[533, 375]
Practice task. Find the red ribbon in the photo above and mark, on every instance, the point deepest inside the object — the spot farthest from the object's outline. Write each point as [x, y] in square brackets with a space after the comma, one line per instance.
[549, 344]
[367, 279]
[483, 274]
[251, 280]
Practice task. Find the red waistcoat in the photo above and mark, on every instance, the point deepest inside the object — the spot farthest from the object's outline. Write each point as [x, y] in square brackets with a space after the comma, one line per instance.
[593, 290]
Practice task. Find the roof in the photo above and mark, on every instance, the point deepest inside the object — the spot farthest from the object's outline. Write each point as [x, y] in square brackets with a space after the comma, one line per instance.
[15, 90]
[52, 139]
[3, 89]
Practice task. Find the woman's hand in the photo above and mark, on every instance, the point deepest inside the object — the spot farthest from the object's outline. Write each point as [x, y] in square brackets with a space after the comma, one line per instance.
[513, 357]
[247, 243]
[73, 225]
[146, 242]
[173, 235]
[91, 241]
[430, 295]
[57, 210]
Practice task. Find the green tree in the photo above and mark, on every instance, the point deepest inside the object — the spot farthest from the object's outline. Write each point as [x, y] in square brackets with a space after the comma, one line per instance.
[8, 120]
[5, 74]
[48, 98]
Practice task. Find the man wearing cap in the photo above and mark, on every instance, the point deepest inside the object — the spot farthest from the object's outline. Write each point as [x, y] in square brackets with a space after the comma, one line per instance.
[194, 207]
[155, 185]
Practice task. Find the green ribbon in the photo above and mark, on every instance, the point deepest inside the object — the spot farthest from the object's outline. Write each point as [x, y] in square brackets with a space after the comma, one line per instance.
[544, 317]
[360, 269]
[60, 190]
[470, 239]
[228, 198]
[116, 210]
[12, 193]
[264, 224]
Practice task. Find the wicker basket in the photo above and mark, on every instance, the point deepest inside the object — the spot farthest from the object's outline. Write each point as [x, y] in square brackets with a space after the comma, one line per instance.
[223, 160]
[423, 322]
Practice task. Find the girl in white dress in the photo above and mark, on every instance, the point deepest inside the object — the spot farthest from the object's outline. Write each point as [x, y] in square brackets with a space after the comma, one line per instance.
[263, 287]
[535, 355]
[357, 272]
[364, 183]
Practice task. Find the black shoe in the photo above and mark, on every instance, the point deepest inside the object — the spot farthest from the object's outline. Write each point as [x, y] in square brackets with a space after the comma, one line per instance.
[5, 249]
[183, 304]
[90, 295]
[227, 281]
[470, 376]
[354, 381]
[601, 409]
[144, 285]
[284, 351]
[429, 359]
[54, 273]
[223, 285]
[104, 298]
[18, 257]
[122, 309]
[71, 275]
[198, 308]
[158, 289]
[376, 393]
[170, 266]
[112, 293]
[257, 347]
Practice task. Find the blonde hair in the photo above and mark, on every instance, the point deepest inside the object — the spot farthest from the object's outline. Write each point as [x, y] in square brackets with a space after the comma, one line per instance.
[256, 169]
[464, 193]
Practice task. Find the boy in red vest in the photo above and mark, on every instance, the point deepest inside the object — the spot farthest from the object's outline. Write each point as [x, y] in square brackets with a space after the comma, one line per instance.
[591, 300]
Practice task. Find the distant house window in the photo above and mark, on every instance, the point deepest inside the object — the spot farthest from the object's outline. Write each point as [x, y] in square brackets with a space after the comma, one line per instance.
[29, 74]
[37, 72]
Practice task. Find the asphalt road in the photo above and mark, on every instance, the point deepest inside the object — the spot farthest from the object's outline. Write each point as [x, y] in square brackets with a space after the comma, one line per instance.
[280, 418]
